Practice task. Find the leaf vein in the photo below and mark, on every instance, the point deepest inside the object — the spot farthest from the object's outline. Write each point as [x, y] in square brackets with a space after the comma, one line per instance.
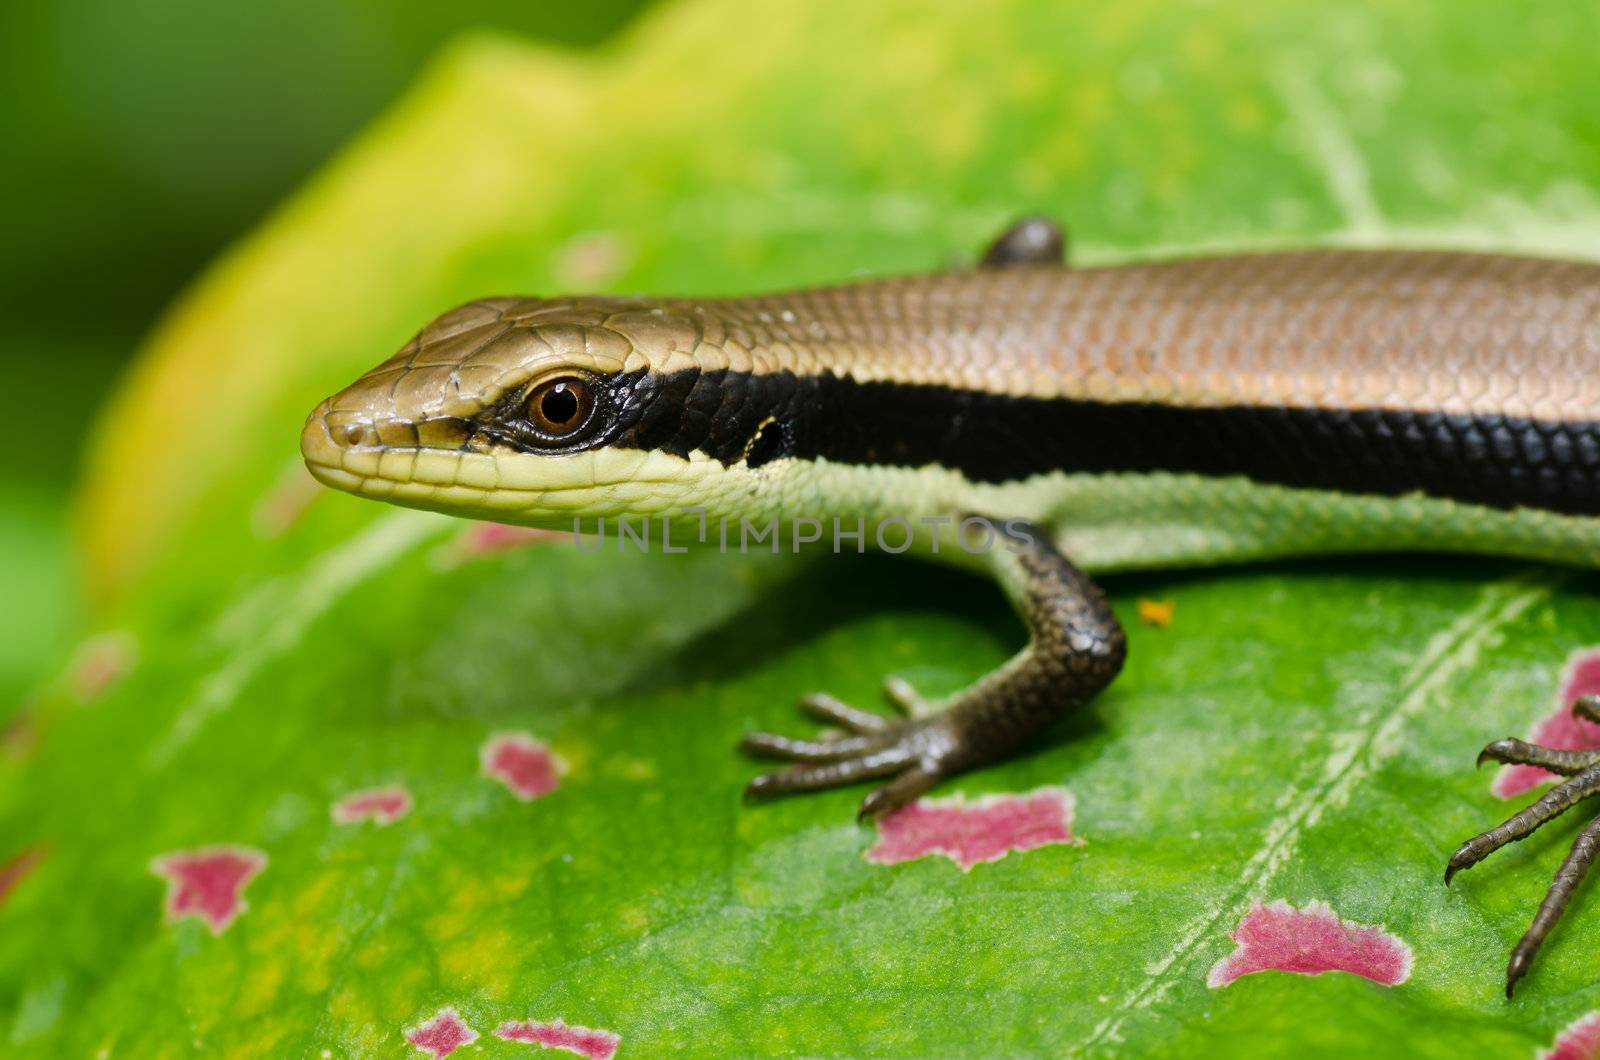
[1355, 754]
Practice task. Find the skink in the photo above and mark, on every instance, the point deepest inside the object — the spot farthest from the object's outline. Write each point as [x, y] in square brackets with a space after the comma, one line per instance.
[1180, 412]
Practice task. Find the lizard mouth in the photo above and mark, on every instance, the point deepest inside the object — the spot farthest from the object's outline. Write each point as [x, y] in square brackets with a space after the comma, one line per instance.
[470, 475]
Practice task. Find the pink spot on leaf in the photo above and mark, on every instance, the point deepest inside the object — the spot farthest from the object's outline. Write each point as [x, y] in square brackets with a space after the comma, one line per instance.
[596, 1045]
[1310, 941]
[208, 883]
[442, 1035]
[290, 497]
[99, 663]
[521, 763]
[986, 829]
[20, 735]
[379, 805]
[592, 259]
[485, 538]
[1558, 729]
[479, 539]
[1579, 1040]
[20, 866]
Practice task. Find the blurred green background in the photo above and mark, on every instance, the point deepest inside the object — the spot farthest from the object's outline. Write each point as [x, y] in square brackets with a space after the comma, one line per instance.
[143, 139]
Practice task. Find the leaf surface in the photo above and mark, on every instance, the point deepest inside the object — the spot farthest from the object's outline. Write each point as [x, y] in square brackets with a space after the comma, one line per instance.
[1301, 733]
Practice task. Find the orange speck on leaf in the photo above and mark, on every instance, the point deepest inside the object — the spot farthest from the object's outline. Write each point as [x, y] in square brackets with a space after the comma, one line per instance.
[1156, 613]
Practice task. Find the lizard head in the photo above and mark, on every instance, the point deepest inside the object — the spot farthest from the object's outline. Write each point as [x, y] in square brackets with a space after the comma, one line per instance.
[538, 411]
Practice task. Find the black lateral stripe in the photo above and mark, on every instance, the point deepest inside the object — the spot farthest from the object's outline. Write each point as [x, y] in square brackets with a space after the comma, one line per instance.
[1497, 461]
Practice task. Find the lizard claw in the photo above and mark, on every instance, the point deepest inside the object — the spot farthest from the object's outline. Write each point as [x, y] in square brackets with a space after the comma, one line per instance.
[916, 753]
[1582, 770]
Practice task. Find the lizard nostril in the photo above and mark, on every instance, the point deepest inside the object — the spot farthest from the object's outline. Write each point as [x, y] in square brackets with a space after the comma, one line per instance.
[351, 435]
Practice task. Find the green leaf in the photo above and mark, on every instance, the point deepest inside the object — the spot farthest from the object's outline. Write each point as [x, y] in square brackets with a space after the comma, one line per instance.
[1300, 732]
[33, 566]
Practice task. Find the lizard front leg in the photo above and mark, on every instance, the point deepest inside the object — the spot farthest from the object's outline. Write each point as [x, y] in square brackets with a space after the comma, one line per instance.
[1075, 648]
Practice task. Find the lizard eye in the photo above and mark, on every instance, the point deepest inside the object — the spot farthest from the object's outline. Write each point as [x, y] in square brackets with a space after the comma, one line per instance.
[560, 407]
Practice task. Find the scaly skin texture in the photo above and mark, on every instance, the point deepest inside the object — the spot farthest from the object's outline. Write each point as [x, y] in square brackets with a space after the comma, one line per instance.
[1195, 411]
[1315, 329]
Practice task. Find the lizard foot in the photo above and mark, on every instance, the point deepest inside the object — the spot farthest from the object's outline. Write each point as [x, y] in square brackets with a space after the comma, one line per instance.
[1075, 648]
[1582, 768]
[917, 751]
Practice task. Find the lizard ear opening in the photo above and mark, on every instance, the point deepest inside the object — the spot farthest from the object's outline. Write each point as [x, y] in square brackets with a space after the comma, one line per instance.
[771, 442]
